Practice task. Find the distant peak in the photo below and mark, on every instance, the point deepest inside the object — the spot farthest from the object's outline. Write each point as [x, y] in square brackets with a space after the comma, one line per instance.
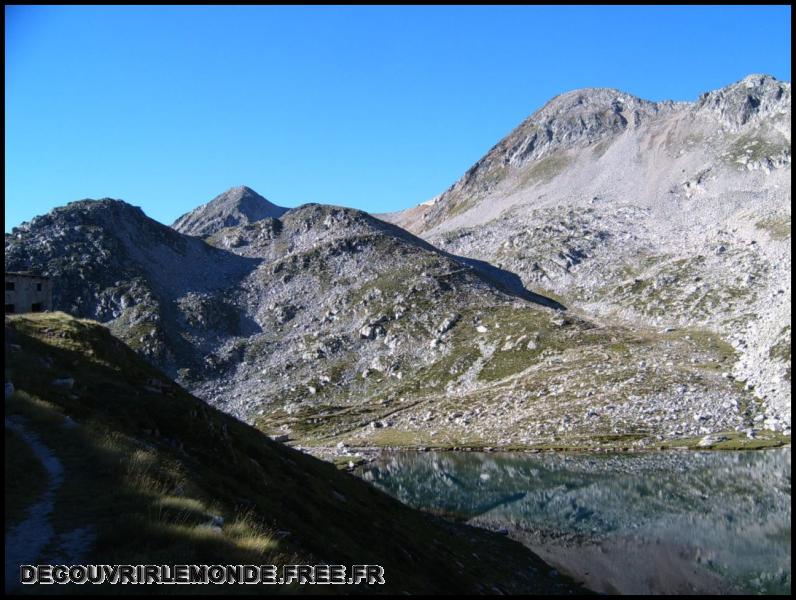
[754, 97]
[238, 205]
[242, 189]
[759, 82]
[237, 192]
[758, 79]
[595, 94]
[592, 98]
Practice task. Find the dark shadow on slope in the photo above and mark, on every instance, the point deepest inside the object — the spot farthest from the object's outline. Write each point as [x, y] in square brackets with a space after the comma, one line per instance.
[175, 463]
[508, 282]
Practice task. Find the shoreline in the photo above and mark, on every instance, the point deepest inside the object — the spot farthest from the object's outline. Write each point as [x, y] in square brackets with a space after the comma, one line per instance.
[358, 455]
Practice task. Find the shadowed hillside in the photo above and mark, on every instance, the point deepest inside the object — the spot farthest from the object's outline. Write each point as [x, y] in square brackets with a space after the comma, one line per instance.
[136, 470]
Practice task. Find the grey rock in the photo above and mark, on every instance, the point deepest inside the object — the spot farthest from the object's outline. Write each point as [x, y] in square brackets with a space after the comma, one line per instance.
[237, 206]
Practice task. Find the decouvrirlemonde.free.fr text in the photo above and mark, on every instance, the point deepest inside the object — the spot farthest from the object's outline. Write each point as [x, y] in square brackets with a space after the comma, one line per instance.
[202, 574]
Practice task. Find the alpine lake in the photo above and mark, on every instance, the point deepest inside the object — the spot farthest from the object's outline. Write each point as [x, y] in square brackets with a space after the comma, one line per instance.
[672, 522]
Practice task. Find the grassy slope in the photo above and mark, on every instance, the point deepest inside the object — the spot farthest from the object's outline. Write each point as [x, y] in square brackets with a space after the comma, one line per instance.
[500, 364]
[148, 470]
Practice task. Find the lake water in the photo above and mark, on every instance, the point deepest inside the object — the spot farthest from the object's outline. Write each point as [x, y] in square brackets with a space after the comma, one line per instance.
[668, 522]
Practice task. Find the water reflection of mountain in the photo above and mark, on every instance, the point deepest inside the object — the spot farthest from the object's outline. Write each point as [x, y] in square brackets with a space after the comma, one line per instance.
[729, 512]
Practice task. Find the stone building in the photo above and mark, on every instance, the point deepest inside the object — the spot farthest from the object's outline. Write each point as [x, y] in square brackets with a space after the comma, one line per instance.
[28, 293]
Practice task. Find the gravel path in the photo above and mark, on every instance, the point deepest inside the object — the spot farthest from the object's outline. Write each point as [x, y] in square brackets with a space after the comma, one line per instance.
[26, 541]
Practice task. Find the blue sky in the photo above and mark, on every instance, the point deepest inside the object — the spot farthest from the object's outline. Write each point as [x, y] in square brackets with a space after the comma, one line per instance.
[377, 108]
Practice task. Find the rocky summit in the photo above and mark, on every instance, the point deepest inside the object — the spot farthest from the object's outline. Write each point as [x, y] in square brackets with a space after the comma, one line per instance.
[237, 206]
[667, 215]
[615, 273]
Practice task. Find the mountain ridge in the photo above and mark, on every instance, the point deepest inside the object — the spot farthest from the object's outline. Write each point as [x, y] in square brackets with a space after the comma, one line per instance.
[662, 235]
[599, 217]
[591, 115]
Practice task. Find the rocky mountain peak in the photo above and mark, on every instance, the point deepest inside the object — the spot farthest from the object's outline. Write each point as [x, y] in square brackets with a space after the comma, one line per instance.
[237, 206]
[577, 127]
[590, 100]
[580, 116]
[753, 98]
[575, 119]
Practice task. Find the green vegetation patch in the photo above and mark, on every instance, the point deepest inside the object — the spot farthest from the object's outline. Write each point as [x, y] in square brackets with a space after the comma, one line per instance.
[777, 227]
[756, 146]
[733, 441]
[460, 204]
[781, 349]
[544, 169]
[600, 148]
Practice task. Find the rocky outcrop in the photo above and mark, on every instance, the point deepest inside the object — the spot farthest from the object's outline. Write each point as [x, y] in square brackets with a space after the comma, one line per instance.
[112, 263]
[754, 99]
